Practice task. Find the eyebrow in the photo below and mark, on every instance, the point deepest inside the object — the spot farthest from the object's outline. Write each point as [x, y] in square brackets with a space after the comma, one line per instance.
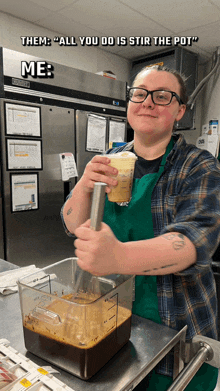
[159, 88]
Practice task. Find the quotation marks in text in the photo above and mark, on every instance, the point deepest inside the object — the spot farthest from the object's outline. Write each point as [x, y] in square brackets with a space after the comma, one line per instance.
[109, 41]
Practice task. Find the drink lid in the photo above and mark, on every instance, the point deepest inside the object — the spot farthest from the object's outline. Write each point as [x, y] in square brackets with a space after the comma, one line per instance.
[122, 155]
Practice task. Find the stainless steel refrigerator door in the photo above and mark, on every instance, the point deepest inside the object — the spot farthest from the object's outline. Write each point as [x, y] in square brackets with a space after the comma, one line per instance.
[37, 236]
[82, 155]
[2, 254]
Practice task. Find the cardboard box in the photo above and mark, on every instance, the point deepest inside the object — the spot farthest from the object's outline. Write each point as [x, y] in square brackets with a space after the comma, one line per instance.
[108, 74]
[213, 126]
[208, 142]
[213, 129]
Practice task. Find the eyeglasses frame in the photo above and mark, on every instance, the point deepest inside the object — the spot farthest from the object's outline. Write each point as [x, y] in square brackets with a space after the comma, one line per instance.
[151, 93]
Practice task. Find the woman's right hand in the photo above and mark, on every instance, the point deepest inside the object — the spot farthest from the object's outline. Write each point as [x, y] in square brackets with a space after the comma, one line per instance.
[98, 170]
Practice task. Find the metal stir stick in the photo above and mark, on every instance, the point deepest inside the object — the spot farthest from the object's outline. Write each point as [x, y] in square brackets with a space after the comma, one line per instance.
[97, 210]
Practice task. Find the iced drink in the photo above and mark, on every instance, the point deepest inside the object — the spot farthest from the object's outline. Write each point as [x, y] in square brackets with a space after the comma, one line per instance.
[124, 162]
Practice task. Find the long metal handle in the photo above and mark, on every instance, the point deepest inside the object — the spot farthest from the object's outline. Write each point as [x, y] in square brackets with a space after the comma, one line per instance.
[98, 203]
[97, 209]
[187, 374]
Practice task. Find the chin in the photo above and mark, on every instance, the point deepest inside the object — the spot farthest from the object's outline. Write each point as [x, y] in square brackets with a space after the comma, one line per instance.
[145, 130]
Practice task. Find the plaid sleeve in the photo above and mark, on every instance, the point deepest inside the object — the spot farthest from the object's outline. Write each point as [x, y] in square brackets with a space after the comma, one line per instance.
[196, 212]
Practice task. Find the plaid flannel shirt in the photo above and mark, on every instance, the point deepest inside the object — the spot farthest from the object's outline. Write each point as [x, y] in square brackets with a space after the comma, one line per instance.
[186, 199]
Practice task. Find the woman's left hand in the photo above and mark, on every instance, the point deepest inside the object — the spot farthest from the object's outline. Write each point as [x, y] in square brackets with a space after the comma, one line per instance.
[98, 252]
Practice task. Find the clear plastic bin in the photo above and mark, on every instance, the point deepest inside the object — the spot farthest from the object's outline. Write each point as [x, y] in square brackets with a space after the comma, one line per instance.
[73, 319]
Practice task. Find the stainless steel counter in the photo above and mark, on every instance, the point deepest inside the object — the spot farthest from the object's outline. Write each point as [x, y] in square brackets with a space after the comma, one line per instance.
[148, 344]
[4, 266]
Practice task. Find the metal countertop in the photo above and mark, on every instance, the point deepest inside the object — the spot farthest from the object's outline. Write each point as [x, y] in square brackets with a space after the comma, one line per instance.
[148, 344]
[4, 266]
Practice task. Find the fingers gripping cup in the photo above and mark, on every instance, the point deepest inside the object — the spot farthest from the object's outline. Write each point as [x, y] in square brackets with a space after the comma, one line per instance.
[124, 162]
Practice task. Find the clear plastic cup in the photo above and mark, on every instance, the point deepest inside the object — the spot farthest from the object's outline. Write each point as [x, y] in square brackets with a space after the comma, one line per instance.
[124, 162]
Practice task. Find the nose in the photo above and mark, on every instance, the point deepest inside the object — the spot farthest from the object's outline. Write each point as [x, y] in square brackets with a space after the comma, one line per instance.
[148, 101]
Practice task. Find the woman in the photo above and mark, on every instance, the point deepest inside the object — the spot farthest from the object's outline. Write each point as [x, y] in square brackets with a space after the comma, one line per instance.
[169, 231]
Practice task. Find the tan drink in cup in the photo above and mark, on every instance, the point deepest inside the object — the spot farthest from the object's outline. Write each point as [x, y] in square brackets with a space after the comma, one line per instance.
[124, 162]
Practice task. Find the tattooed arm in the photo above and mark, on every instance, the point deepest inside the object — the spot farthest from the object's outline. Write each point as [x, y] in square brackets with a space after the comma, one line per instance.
[77, 208]
[101, 253]
[166, 254]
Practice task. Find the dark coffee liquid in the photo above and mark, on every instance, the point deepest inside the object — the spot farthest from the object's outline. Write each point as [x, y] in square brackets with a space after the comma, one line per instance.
[83, 363]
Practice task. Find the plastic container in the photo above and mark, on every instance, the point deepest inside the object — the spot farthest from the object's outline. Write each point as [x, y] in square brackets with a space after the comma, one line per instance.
[125, 163]
[73, 319]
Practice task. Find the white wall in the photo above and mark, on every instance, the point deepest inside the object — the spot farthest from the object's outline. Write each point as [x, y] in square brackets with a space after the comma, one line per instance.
[207, 103]
[192, 135]
[211, 97]
[90, 59]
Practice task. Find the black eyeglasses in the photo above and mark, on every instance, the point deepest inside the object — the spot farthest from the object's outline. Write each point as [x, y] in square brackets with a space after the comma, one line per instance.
[159, 97]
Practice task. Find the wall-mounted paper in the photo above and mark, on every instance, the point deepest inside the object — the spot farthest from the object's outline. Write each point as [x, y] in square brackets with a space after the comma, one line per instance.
[96, 134]
[24, 154]
[116, 131]
[24, 191]
[22, 120]
[68, 166]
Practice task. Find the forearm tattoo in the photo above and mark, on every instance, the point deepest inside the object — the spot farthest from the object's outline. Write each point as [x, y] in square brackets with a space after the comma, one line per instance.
[69, 211]
[178, 240]
[159, 268]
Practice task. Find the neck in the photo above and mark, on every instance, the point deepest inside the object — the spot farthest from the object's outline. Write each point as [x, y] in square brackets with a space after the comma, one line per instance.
[149, 148]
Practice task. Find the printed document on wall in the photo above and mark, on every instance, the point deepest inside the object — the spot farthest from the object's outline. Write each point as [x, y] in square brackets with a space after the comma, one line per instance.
[116, 131]
[68, 166]
[96, 133]
[24, 190]
[24, 154]
[22, 120]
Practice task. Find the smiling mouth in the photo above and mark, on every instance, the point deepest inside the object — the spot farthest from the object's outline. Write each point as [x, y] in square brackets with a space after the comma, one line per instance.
[147, 115]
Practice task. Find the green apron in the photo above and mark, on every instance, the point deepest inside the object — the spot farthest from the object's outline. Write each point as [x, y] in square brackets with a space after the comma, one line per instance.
[131, 223]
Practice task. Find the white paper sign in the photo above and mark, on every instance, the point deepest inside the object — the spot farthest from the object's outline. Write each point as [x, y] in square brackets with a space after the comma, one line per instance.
[96, 134]
[24, 154]
[68, 166]
[116, 131]
[22, 120]
[24, 189]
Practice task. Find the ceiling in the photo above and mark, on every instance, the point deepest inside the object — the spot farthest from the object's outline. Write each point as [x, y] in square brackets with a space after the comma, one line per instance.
[127, 18]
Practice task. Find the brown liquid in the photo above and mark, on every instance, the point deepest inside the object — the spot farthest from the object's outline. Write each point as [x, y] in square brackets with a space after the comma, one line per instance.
[122, 192]
[77, 325]
[125, 166]
[82, 362]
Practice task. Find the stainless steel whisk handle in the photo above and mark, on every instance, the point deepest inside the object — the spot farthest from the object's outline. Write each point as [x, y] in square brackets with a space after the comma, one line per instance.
[98, 203]
[97, 210]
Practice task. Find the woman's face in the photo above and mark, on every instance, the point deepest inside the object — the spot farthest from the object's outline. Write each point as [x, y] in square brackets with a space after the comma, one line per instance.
[152, 119]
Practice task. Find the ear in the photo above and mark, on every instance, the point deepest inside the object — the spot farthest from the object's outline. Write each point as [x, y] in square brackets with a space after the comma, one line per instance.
[181, 112]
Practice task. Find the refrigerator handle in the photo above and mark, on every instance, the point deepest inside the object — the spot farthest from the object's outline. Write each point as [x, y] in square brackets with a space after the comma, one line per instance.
[66, 189]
